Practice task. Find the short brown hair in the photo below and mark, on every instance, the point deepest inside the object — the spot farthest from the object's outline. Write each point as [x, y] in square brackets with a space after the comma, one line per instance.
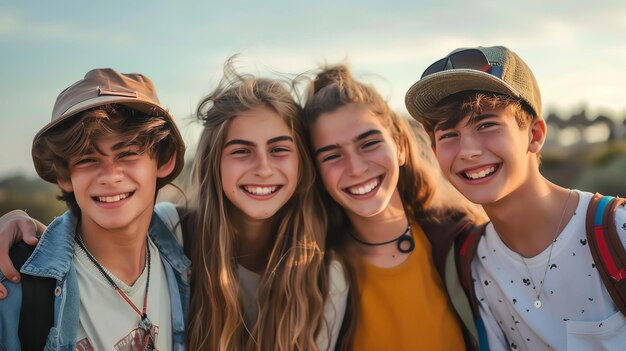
[152, 134]
[452, 109]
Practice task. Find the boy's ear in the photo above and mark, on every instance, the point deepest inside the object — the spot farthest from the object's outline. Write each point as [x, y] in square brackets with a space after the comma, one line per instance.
[166, 169]
[65, 185]
[537, 135]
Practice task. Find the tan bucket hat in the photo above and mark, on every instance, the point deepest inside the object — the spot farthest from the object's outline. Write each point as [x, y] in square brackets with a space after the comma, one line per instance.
[495, 69]
[103, 87]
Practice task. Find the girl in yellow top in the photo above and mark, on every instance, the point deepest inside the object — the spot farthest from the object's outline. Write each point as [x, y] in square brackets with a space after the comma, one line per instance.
[378, 200]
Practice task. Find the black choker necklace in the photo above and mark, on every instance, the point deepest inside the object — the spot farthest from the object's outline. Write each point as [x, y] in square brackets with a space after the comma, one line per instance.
[405, 241]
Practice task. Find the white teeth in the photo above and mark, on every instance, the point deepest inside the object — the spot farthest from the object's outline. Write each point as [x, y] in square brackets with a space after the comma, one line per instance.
[364, 189]
[258, 190]
[481, 174]
[113, 198]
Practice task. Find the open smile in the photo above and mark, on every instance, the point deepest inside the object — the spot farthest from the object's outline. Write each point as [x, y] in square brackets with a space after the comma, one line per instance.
[480, 172]
[113, 198]
[365, 187]
[261, 190]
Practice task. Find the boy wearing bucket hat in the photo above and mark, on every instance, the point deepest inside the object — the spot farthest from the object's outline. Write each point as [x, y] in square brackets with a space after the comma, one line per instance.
[535, 282]
[119, 273]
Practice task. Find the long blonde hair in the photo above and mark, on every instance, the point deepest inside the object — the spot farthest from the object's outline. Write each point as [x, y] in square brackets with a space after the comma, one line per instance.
[293, 286]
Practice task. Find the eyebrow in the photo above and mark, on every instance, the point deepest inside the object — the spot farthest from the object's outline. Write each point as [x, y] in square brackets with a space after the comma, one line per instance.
[239, 142]
[445, 125]
[95, 149]
[357, 138]
[476, 119]
[366, 134]
[280, 138]
[250, 143]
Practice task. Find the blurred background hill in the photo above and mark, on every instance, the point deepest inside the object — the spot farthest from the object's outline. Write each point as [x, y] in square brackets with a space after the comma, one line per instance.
[581, 152]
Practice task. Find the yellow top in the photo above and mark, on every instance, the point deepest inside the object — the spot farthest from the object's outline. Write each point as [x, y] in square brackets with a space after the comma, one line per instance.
[405, 307]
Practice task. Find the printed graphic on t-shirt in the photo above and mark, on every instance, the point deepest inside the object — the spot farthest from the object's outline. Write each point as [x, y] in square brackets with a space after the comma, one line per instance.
[84, 345]
[136, 340]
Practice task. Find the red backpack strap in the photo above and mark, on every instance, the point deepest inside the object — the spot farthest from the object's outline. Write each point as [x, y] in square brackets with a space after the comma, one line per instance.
[466, 246]
[606, 247]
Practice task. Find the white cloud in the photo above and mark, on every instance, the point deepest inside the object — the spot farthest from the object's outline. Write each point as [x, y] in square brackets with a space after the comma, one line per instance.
[32, 29]
[9, 22]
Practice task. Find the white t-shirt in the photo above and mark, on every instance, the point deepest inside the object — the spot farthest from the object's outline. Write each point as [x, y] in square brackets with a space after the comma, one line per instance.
[334, 306]
[107, 321]
[577, 312]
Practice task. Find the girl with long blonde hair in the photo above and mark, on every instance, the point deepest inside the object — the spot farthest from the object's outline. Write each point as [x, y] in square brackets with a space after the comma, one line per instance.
[259, 275]
[382, 218]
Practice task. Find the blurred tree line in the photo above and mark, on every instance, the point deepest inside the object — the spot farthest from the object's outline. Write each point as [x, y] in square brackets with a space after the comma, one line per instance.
[39, 198]
[33, 195]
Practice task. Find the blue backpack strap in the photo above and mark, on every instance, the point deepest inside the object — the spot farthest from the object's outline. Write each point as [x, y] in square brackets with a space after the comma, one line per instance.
[606, 247]
[465, 249]
[37, 310]
[466, 246]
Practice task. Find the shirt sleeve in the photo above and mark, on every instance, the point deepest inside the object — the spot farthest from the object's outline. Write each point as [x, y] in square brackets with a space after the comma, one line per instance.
[334, 307]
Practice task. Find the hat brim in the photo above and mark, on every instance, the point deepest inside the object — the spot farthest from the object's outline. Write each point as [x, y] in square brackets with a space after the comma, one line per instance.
[134, 103]
[426, 93]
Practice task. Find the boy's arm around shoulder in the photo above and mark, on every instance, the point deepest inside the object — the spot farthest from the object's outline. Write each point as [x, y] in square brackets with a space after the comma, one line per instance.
[15, 226]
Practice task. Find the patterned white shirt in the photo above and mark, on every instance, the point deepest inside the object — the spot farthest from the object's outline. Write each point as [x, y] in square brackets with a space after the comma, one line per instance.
[577, 312]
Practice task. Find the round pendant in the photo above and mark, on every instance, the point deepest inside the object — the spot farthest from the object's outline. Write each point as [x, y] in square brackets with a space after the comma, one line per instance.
[537, 304]
[406, 244]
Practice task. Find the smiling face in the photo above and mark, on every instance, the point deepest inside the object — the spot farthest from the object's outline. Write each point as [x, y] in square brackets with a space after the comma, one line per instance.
[357, 160]
[259, 163]
[114, 185]
[491, 156]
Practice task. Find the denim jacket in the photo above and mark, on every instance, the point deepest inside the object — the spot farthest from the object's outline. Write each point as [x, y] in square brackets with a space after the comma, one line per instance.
[53, 258]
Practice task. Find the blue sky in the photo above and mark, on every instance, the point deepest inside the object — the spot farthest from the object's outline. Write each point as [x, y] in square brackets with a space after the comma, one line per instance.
[576, 49]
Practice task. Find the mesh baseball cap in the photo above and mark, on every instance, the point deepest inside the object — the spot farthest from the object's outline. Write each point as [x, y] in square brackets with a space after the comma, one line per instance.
[494, 69]
[102, 87]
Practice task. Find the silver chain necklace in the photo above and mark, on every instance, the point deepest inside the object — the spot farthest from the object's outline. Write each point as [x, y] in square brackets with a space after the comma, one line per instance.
[537, 302]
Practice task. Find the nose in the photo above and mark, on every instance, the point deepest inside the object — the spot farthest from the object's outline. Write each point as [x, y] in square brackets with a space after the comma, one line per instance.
[264, 166]
[110, 173]
[470, 147]
[356, 164]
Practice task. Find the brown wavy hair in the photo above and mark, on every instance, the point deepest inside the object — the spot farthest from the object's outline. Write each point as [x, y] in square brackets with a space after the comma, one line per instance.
[153, 134]
[454, 108]
[292, 289]
[331, 89]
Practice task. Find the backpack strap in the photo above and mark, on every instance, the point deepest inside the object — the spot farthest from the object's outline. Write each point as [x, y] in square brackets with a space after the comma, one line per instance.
[37, 310]
[466, 246]
[186, 225]
[606, 247]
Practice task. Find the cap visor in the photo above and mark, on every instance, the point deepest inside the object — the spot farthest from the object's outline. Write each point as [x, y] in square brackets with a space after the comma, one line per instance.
[424, 95]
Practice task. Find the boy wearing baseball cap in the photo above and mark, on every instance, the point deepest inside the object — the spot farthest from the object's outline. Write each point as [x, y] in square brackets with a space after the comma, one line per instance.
[533, 281]
[119, 273]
